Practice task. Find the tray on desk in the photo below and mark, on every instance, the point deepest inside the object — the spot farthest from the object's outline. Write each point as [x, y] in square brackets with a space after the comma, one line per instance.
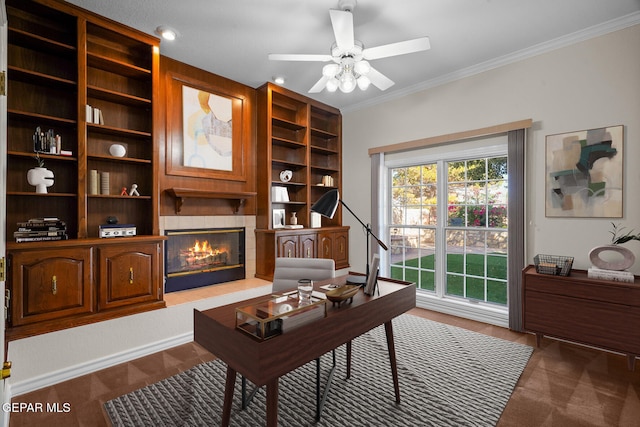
[278, 314]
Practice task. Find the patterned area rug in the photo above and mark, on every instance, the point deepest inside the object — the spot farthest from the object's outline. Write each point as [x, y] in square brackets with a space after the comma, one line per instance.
[448, 377]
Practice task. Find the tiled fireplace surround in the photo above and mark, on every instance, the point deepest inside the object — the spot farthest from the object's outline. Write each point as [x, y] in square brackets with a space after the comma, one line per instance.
[198, 222]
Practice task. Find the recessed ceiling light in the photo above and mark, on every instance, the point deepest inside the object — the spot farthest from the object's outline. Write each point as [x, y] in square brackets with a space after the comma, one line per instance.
[279, 80]
[166, 33]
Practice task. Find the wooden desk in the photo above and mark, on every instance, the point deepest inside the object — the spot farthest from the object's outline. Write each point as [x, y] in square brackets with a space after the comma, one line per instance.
[264, 362]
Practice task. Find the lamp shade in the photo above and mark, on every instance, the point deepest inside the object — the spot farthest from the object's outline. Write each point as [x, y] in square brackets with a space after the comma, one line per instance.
[327, 204]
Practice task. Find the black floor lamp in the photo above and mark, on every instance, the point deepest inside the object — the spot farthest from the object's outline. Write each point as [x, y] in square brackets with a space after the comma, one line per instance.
[326, 206]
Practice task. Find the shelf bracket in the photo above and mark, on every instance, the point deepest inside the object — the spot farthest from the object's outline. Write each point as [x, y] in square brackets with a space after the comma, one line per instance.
[179, 203]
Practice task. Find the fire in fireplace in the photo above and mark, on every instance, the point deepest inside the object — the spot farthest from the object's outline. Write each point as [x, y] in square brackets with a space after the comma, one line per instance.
[203, 257]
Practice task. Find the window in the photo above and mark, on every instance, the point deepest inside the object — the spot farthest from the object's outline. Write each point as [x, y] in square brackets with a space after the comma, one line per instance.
[447, 223]
[476, 231]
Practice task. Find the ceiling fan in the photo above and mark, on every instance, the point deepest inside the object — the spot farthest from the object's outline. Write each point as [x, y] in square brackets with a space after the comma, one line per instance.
[350, 67]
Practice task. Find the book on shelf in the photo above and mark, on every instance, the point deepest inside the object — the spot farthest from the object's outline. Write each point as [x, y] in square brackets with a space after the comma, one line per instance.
[30, 227]
[39, 233]
[614, 275]
[279, 194]
[44, 219]
[36, 224]
[41, 238]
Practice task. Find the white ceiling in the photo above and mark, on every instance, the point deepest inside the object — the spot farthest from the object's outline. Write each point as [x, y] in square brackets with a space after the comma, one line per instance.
[232, 38]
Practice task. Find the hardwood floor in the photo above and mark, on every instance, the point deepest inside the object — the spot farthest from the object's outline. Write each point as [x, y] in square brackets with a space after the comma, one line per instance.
[563, 385]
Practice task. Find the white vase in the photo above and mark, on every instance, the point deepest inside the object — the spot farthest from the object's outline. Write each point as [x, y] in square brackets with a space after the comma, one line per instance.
[628, 258]
[41, 178]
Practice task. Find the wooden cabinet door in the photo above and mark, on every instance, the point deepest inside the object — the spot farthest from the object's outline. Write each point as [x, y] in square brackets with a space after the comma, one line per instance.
[307, 245]
[341, 249]
[287, 246]
[51, 284]
[129, 274]
[325, 245]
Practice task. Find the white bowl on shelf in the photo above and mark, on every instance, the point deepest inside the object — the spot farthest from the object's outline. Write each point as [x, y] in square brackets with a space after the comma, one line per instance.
[117, 150]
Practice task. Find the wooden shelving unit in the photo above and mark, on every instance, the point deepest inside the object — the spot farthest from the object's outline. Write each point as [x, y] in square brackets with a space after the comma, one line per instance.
[60, 59]
[303, 136]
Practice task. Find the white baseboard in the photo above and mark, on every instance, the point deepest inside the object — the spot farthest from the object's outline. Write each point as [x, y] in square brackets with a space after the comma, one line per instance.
[69, 373]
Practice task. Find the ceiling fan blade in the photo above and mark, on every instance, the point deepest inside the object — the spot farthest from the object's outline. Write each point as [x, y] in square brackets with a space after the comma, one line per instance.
[320, 84]
[379, 80]
[394, 49]
[298, 57]
[342, 22]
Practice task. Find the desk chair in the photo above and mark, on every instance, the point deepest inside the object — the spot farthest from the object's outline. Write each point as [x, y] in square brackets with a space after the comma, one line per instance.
[286, 274]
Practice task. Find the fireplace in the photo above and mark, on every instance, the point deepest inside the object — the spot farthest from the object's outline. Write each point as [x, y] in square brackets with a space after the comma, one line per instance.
[202, 257]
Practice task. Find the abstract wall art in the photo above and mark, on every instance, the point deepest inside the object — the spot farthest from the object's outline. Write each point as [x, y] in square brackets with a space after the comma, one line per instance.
[584, 173]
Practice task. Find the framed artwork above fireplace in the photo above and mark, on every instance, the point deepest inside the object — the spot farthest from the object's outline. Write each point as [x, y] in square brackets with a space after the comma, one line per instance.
[205, 130]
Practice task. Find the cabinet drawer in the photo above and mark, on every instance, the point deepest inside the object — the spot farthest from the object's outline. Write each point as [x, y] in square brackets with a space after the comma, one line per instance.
[618, 293]
[50, 284]
[600, 323]
[128, 274]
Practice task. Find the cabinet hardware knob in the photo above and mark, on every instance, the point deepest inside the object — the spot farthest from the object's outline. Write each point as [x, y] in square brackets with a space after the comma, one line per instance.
[289, 253]
[54, 285]
[308, 252]
[131, 275]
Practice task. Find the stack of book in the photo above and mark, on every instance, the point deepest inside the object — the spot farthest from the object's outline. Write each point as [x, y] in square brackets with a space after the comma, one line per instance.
[615, 275]
[41, 229]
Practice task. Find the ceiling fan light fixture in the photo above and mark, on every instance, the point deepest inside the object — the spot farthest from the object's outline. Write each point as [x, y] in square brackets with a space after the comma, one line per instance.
[330, 70]
[363, 82]
[332, 84]
[362, 67]
[347, 82]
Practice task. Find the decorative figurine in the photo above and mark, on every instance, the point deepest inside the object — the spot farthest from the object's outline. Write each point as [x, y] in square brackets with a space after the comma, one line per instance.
[134, 190]
[124, 191]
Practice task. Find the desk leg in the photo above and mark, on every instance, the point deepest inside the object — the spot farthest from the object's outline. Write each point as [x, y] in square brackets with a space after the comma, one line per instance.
[349, 360]
[392, 358]
[272, 403]
[228, 396]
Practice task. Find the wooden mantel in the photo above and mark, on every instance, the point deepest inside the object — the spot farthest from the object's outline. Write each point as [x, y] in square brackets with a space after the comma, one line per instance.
[180, 194]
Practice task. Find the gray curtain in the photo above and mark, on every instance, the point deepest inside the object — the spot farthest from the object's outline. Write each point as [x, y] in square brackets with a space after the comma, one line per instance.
[376, 221]
[516, 174]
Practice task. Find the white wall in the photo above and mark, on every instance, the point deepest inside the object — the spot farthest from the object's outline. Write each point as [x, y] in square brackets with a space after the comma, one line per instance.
[591, 84]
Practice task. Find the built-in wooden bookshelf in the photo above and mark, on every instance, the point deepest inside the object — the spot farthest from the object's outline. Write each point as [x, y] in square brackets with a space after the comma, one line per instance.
[297, 134]
[62, 59]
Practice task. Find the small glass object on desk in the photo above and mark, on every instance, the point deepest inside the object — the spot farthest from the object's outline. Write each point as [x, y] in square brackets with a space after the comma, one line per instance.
[278, 314]
[305, 289]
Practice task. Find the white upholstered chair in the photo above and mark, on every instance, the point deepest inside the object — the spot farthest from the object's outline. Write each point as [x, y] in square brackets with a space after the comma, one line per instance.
[286, 274]
[288, 271]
